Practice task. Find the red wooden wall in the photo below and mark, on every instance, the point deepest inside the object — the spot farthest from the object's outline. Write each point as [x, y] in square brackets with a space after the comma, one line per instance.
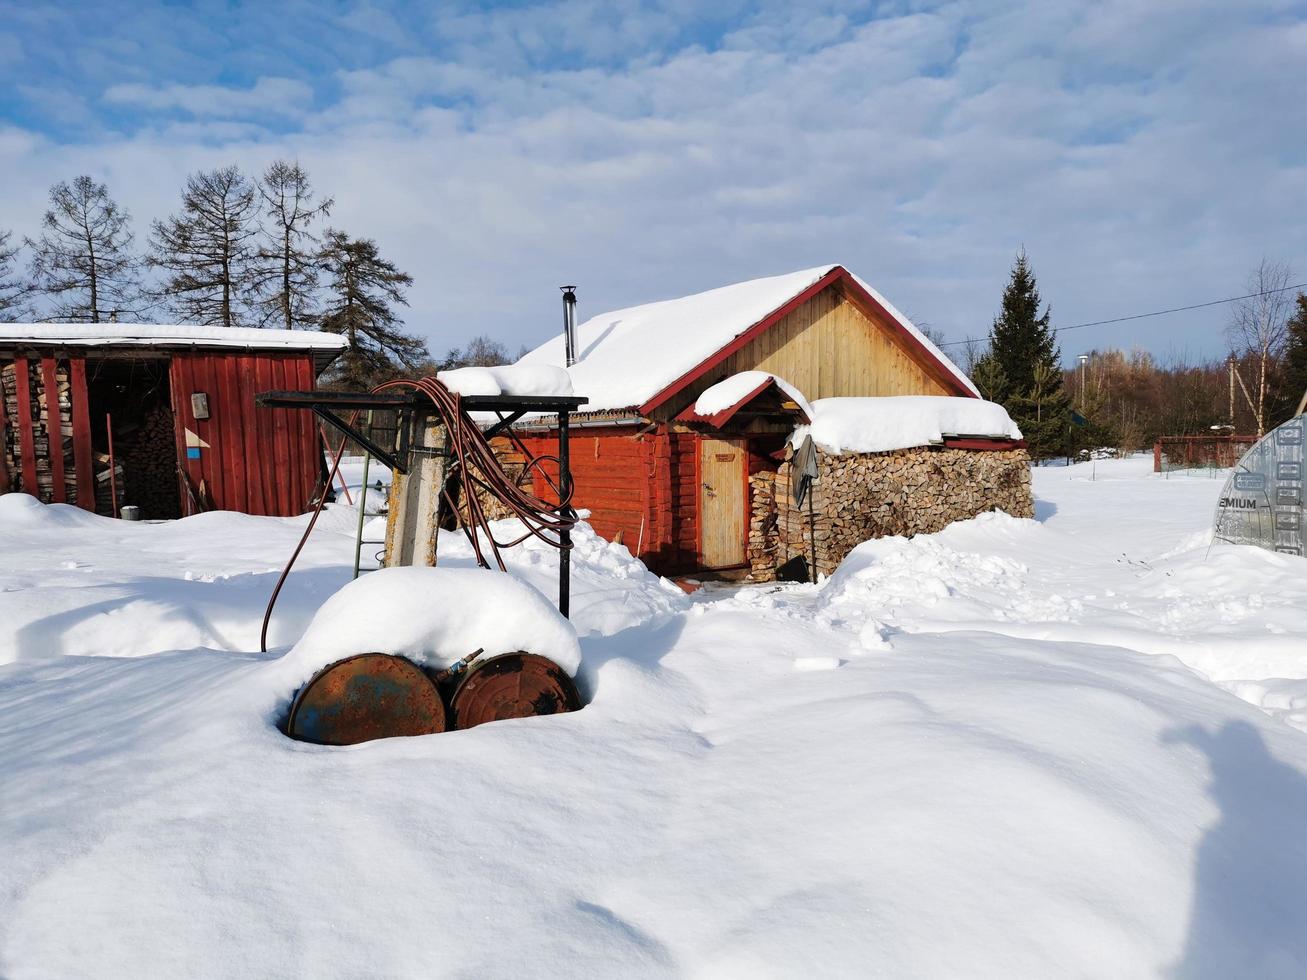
[258, 460]
[627, 478]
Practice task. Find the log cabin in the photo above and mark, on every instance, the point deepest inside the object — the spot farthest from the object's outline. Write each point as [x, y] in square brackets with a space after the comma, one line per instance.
[673, 485]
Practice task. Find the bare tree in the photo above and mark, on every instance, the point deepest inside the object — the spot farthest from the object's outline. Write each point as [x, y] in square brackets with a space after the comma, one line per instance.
[481, 351]
[208, 251]
[83, 259]
[1258, 329]
[13, 290]
[287, 274]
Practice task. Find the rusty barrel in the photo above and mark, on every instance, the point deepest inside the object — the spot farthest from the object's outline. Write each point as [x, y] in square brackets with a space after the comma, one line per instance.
[514, 685]
[368, 696]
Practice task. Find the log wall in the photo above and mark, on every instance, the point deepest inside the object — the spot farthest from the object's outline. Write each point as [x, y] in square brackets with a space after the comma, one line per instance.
[870, 495]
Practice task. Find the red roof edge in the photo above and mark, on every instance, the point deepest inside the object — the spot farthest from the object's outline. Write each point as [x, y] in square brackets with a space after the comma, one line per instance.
[836, 274]
[728, 413]
[982, 444]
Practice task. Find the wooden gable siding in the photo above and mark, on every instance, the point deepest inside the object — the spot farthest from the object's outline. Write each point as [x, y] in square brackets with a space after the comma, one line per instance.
[828, 347]
[258, 460]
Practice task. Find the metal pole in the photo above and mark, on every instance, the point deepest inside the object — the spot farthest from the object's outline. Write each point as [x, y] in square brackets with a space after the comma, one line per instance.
[363, 501]
[565, 535]
[113, 482]
[812, 533]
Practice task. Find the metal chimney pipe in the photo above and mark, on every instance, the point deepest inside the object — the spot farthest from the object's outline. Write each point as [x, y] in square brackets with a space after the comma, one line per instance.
[569, 322]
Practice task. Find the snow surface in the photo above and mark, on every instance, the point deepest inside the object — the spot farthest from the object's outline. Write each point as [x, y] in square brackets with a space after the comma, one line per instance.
[170, 335]
[877, 425]
[1016, 748]
[730, 392]
[625, 357]
[509, 379]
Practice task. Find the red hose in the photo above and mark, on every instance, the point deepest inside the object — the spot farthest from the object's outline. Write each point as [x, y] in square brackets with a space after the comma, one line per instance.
[479, 467]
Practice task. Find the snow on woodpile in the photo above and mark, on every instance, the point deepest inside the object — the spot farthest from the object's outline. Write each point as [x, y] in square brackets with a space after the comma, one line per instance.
[729, 393]
[878, 425]
[625, 357]
[508, 379]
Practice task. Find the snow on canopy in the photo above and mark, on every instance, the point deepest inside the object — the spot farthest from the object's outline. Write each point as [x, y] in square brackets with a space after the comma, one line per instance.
[739, 387]
[169, 335]
[625, 357]
[882, 424]
[509, 379]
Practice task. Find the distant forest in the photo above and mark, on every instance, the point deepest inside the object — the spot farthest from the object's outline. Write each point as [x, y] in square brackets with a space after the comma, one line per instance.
[1127, 400]
[259, 251]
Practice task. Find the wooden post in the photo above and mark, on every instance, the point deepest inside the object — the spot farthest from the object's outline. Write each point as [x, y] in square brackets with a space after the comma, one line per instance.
[414, 519]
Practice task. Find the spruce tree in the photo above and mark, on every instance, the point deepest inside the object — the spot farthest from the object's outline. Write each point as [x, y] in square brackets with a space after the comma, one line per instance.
[363, 289]
[1026, 358]
[208, 250]
[1293, 370]
[83, 259]
[13, 290]
[287, 275]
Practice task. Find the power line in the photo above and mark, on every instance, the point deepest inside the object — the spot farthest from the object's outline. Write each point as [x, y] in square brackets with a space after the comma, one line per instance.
[1141, 316]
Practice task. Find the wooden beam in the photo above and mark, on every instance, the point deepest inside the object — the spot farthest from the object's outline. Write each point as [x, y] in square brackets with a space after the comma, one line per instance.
[54, 428]
[414, 518]
[26, 437]
[83, 464]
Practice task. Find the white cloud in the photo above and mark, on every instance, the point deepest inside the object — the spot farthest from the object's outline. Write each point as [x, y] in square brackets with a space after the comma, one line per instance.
[268, 96]
[921, 150]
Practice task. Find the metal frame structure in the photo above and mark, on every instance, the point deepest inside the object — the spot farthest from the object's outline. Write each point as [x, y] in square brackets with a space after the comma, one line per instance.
[328, 406]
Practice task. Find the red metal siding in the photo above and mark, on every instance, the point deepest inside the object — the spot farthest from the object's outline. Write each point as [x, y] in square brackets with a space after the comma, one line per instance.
[258, 460]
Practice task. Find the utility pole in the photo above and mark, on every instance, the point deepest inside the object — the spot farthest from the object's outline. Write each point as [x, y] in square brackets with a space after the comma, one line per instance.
[1084, 365]
[1231, 415]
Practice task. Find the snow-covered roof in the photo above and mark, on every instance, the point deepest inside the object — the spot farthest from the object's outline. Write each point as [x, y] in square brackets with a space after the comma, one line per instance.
[167, 335]
[722, 400]
[879, 425]
[627, 357]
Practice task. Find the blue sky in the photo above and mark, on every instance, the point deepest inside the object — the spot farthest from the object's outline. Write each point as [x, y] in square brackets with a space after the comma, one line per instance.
[1146, 154]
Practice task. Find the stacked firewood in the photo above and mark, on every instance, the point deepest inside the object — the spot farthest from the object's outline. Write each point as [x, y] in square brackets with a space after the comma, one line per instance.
[52, 431]
[145, 446]
[870, 495]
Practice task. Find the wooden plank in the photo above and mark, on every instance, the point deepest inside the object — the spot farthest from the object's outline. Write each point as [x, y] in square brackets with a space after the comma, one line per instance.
[204, 379]
[412, 523]
[266, 427]
[53, 428]
[289, 460]
[228, 412]
[83, 462]
[280, 446]
[175, 386]
[251, 414]
[308, 434]
[26, 437]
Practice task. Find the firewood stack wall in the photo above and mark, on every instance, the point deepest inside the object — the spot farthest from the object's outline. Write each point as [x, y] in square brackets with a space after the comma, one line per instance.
[145, 446]
[52, 426]
[859, 496]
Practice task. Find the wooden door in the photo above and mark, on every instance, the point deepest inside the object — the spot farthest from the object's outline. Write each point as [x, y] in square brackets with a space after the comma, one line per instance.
[722, 504]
